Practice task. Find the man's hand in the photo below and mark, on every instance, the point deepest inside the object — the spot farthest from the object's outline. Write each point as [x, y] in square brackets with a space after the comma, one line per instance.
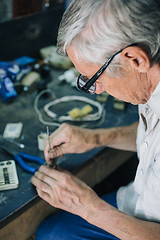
[69, 139]
[63, 190]
[72, 139]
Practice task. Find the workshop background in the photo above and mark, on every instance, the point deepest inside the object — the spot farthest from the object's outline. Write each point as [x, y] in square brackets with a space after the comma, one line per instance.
[31, 75]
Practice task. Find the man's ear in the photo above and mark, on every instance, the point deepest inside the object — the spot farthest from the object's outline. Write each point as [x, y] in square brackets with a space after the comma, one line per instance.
[137, 58]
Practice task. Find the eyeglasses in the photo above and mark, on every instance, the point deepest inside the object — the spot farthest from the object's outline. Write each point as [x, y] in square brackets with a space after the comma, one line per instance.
[89, 85]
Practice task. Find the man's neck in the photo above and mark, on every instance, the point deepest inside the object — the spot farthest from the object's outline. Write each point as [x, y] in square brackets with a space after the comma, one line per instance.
[154, 76]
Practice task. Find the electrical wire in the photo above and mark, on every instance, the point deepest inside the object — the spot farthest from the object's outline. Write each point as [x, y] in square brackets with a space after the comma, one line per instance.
[40, 117]
[90, 117]
[59, 119]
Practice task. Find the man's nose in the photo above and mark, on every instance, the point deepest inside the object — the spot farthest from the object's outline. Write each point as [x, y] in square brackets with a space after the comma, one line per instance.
[99, 88]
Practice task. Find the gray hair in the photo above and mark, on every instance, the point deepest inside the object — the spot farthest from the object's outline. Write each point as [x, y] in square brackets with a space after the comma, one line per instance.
[98, 28]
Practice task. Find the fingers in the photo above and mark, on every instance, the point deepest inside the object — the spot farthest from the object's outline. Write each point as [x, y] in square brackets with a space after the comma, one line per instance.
[43, 189]
[63, 190]
[58, 140]
[52, 186]
[61, 135]
[39, 184]
[45, 196]
[54, 175]
[47, 179]
[44, 185]
[52, 155]
[68, 139]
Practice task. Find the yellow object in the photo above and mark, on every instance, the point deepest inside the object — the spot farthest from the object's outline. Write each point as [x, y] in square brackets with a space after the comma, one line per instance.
[75, 113]
[103, 97]
[31, 78]
[118, 104]
[80, 113]
[86, 110]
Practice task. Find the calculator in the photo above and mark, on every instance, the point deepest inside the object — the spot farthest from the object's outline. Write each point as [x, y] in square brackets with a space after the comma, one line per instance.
[8, 175]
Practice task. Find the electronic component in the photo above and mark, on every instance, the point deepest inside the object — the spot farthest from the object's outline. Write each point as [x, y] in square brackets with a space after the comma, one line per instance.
[8, 175]
[118, 104]
[103, 97]
[51, 56]
[13, 130]
[42, 137]
[53, 160]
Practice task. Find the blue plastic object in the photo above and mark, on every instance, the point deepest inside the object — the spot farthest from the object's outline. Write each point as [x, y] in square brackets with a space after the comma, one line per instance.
[7, 90]
[19, 158]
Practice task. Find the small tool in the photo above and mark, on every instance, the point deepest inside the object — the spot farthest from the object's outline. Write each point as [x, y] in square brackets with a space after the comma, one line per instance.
[18, 157]
[8, 175]
[6, 141]
[53, 160]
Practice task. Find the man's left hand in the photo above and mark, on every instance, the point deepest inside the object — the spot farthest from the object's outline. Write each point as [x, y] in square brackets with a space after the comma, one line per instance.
[63, 190]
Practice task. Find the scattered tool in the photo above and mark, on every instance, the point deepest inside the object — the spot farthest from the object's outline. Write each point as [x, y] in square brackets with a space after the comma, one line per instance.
[8, 175]
[18, 157]
[119, 104]
[8, 141]
[53, 160]
[12, 130]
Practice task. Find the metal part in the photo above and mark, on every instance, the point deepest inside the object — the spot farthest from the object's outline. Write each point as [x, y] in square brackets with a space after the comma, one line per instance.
[52, 160]
[10, 151]
[13, 142]
[19, 157]
[47, 3]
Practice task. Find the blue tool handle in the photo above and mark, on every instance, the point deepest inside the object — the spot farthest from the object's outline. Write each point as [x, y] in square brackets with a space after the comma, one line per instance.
[24, 165]
[32, 158]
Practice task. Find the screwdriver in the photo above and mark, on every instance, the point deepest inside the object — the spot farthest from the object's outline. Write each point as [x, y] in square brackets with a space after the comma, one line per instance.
[53, 161]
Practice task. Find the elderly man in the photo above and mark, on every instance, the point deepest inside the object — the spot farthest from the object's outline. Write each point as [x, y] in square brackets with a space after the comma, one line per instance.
[115, 45]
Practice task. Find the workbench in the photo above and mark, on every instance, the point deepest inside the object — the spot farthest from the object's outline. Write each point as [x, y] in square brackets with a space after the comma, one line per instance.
[21, 210]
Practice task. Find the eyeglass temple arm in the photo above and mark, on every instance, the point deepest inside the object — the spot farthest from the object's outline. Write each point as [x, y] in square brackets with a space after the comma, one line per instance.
[99, 72]
[102, 69]
[96, 76]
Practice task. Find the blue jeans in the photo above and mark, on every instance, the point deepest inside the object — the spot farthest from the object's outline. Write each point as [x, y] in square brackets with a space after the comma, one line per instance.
[67, 226]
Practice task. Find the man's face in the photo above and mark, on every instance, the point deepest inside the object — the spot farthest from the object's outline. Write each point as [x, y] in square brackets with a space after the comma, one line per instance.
[129, 88]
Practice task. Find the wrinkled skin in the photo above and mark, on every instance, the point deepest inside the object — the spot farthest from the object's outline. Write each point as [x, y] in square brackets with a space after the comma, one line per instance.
[63, 190]
[69, 139]
[59, 187]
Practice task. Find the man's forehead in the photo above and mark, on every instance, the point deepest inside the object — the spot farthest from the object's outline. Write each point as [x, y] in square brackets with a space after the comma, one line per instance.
[73, 55]
[81, 65]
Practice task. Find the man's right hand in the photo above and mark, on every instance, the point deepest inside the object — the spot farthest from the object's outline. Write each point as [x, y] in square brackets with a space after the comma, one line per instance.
[69, 139]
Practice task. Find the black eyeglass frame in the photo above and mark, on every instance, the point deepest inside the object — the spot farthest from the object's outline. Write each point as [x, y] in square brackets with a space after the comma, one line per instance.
[93, 79]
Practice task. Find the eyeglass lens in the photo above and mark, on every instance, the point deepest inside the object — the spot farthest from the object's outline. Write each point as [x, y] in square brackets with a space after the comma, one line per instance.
[82, 80]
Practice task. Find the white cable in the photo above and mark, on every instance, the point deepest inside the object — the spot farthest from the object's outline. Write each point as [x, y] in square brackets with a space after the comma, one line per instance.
[36, 101]
[89, 117]
[95, 125]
